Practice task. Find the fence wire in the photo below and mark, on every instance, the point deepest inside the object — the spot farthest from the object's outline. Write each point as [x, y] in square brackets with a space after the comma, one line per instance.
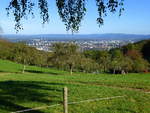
[89, 100]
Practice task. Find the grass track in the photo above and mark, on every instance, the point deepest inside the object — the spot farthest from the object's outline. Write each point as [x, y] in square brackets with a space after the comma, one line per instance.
[43, 86]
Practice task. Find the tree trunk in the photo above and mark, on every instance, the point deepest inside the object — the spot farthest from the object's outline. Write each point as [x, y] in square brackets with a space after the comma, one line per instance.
[24, 67]
[71, 70]
[104, 69]
[114, 71]
[123, 72]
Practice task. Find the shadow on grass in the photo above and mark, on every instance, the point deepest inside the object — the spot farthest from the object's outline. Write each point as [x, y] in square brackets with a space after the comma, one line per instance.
[17, 72]
[42, 72]
[13, 92]
[1, 71]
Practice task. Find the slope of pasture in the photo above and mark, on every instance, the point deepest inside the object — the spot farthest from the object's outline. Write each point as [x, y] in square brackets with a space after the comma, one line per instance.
[39, 87]
[11, 67]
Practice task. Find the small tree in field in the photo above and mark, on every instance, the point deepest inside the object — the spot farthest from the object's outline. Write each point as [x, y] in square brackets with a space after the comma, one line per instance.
[88, 65]
[22, 54]
[116, 60]
[127, 65]
[104, 60]
[65, 55]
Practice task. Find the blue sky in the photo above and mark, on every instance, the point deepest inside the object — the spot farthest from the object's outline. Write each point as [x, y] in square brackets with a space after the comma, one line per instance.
[135, 20]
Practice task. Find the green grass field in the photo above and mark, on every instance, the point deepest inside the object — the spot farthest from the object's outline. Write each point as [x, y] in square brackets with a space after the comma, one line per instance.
[39, 87]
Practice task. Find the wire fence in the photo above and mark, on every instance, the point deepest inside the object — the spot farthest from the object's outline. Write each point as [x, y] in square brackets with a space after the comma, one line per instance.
[78, 102]
[70, 103]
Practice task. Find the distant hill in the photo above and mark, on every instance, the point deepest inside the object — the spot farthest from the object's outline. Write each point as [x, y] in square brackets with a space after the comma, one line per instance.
[79, 37]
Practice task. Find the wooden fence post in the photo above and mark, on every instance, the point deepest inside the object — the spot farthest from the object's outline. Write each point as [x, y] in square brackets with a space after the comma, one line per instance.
[65, 99]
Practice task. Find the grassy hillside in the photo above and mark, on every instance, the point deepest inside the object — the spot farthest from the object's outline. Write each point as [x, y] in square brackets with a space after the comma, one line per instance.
[10, 67]
[42, 86]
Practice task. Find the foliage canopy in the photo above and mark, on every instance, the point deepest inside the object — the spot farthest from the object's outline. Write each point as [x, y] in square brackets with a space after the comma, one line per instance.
[70, 11]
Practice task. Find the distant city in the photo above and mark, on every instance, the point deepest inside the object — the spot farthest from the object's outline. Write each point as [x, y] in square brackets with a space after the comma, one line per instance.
[46, 45]
[85, 42]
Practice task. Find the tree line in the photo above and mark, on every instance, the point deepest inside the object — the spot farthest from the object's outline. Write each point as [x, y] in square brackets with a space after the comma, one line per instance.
[67, 56]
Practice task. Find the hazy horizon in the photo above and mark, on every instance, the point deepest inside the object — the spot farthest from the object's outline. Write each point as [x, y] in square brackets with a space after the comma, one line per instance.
[78, 34]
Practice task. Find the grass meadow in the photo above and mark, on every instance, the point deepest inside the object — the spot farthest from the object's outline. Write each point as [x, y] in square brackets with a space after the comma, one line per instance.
[39, 87]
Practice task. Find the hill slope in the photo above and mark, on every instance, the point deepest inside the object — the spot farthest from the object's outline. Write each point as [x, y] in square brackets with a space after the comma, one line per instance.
[43, 87]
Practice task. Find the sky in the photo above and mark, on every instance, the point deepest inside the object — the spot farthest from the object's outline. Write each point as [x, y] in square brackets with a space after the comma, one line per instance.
[134, 20]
